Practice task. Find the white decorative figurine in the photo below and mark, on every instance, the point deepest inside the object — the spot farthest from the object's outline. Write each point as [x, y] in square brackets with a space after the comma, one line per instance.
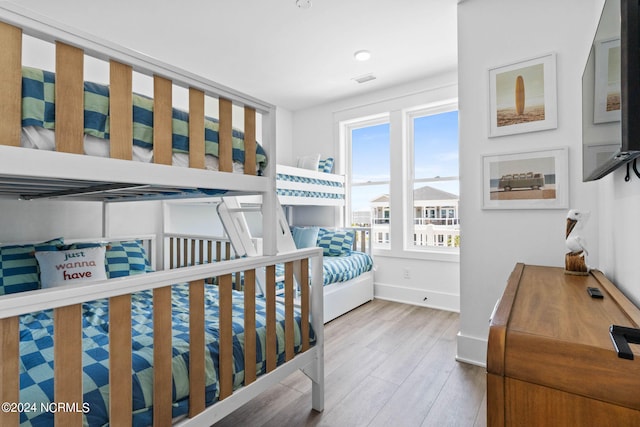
[576, 260]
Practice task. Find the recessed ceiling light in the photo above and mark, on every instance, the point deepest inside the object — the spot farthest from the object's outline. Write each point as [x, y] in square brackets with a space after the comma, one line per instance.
[362, 55]
[303, 4]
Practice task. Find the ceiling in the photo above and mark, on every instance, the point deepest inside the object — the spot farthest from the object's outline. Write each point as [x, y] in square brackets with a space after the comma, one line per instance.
[271, 49]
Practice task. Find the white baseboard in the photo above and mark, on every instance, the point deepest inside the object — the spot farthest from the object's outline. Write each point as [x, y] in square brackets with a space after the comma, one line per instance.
[421, 297]
[472, 350]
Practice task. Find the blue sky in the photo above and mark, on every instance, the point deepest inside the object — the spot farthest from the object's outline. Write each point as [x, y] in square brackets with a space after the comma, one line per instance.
[436, 154]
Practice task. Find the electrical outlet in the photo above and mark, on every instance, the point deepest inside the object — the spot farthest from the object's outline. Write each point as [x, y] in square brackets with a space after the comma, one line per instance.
[406, 273]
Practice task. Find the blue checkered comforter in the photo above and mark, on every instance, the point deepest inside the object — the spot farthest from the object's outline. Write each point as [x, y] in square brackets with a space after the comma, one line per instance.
[338, 268]
[342, 268]
[36, 354]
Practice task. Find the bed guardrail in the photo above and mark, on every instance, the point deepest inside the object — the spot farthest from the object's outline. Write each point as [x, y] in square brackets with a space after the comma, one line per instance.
[67, 305]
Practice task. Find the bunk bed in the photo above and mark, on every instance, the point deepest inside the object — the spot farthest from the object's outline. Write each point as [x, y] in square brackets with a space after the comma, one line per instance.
[214, 384]
[349, 276]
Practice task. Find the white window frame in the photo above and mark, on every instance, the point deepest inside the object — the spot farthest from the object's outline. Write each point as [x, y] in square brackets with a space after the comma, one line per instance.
[348, 128]
[394, 109]
[409, 116]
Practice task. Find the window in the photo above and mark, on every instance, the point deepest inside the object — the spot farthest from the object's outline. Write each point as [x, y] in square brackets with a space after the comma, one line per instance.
[370, 172]
[433, 187]
[402, 169]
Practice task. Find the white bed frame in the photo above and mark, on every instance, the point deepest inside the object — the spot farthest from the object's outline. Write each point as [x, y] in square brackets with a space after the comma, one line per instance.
[58, 174]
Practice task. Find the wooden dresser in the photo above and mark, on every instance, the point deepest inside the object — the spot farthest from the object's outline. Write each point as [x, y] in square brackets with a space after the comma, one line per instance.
[550, 359]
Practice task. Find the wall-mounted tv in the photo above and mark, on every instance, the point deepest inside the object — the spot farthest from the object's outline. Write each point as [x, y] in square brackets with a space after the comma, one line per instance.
[611, 91]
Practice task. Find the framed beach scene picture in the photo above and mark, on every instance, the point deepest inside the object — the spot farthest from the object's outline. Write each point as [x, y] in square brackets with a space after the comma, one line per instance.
[606, 105]
[523, 96]
[526, 180]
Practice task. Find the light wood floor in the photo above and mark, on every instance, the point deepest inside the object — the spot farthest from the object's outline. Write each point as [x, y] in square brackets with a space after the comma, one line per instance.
[386, 364]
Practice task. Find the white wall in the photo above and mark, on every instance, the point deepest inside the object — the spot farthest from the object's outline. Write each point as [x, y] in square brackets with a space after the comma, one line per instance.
[432, 280]
[620, 232]
[493, 33]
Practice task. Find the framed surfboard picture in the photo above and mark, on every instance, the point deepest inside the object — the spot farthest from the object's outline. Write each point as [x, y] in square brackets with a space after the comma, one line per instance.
[522, 96]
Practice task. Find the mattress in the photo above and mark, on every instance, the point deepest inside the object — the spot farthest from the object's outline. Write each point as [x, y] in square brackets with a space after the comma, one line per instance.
[36, 354]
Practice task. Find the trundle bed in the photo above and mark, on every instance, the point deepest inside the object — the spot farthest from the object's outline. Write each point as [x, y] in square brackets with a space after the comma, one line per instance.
[69, 349]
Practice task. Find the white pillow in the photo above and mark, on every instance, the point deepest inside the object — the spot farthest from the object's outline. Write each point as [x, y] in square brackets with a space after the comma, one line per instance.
[309, 162]
[59, 268]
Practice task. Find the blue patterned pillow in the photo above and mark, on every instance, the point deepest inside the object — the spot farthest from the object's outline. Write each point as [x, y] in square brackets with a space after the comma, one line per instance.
[335, 243]
[122, 258]
[325, 165]
[19, 270]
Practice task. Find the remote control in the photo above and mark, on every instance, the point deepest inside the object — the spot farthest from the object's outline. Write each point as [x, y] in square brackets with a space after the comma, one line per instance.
[595, 293]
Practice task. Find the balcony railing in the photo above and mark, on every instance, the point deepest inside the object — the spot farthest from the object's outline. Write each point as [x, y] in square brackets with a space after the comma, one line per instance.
[436, 221]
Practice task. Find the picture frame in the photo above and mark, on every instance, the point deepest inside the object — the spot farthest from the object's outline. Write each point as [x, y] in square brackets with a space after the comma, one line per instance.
[606, 100]
[523, 96]
[536, 179]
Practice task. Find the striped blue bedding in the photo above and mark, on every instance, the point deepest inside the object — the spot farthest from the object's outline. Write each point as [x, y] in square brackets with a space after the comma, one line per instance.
[38, 109]
[306, 193]
[36, 354]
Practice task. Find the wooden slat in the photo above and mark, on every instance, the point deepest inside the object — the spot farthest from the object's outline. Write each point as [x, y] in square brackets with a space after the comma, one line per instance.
[171, 254]
[249, 141]
[178, 251]
[289, 333]
[120, 111]
[194, 260]
[162, 354]
[304, 303]
[218, 251]
[196, 348]
[238, 281]
[209, 251]
[9, 368]
[249, 326]
[196, 128]
[225, 144]
[185, 254]
[271, 344]
[227, 251]
[120, 392]
[201, 249]
[162, 120]
[226, 336]
[10, 84]
[69, 99]
[67, 365]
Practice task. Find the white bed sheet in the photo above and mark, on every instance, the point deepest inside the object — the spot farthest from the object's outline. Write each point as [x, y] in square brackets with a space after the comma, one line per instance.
[45, 139]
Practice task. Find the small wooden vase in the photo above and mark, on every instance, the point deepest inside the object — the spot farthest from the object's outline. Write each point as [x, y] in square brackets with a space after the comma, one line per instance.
[575, 264]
